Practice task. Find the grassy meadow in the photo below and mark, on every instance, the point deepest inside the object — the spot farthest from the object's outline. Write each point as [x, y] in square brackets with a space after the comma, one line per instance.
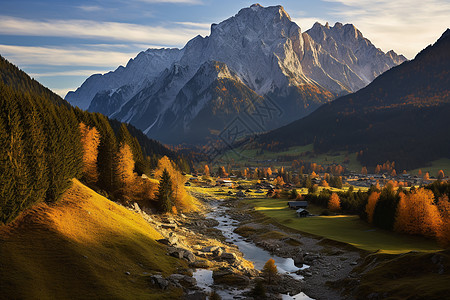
[342, 228]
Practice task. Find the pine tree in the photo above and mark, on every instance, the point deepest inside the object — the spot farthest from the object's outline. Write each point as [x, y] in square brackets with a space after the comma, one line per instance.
[164, 195]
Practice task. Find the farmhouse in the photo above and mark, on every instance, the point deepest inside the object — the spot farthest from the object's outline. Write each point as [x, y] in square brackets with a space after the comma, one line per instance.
[297, 204]
[302, 213]
[224, 182]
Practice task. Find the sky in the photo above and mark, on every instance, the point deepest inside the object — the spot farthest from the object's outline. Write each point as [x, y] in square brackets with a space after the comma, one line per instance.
[60, 43]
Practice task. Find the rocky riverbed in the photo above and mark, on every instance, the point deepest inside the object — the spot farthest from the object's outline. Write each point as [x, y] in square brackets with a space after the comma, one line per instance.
[212, 251]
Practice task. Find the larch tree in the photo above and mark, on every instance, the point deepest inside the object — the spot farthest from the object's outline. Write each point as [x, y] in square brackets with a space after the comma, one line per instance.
[440, 175]
[206, 170]
[371, 204]
[403, 215]
[125, 171]
[334, 203]
[364, 171]
[90, 140]
[270, 270]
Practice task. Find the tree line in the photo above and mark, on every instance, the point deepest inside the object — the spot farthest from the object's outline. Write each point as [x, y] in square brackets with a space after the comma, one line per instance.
[44, 143]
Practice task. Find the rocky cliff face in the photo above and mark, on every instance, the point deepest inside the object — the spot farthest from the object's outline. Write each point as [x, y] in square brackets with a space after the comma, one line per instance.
[258, 53]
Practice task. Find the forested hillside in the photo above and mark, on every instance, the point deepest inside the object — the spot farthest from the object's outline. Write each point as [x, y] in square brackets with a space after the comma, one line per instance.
[44, 144]
[402, 116]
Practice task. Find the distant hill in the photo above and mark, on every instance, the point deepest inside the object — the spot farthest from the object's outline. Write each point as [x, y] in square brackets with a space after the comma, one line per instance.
[402, 116]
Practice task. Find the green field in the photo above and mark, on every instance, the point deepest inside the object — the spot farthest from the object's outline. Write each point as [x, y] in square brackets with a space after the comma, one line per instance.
[346, 228]
[243, 155]
[435, 166]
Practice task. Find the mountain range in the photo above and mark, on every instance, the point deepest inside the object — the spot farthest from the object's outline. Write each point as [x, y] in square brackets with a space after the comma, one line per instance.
[402, 116]
[256, 58]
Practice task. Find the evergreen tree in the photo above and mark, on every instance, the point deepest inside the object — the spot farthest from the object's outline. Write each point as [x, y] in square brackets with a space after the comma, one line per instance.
[164, 195]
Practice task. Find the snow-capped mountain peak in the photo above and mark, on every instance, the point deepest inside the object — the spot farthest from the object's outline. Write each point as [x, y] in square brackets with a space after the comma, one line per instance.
[260, 52]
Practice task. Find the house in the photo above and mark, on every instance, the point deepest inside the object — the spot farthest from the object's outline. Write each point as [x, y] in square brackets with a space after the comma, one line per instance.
[297, 204]
[302, 213]
[224, 182]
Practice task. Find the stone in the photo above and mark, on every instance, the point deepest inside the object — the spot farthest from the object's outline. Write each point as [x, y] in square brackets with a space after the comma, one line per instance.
[353, 263]
[159, 281]
[169, 226]
[136, 207]
[175, 252]
[127, 273]
[189, 256]
[195, 296]
[229, 256]
[217, 252]
[210, 248]
[200, 264]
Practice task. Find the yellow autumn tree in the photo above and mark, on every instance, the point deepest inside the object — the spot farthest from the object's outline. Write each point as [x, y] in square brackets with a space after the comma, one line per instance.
[403, 215]
[370, 207]
[278, 181]
[90, 140]
[334, 203]
[270, 270]
[269, 172]
[206, 170]
[125, 175]
[417, 214]
[182, 200]
[443, 234]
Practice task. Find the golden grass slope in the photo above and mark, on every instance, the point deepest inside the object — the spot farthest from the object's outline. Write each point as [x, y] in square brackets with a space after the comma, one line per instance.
[82, 248]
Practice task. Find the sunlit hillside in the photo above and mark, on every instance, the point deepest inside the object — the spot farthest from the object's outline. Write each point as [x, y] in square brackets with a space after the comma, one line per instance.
[81, 248]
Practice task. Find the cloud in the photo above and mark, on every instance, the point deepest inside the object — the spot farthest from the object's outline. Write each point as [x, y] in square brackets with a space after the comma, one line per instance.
[68, 73]
[304, 21]
[29, 56]
[205, 26]
[406, 26]
[126, 32]
[89, 8]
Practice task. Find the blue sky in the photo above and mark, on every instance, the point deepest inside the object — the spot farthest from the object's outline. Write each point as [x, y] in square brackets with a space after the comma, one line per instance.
[61, 43]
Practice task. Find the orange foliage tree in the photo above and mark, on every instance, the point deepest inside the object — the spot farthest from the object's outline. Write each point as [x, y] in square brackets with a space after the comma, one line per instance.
[334, 203]
[206, 170]
[370, 207]
[364, 171]
[444, 232]
[270, 270]
[125, 175]
[440, 175]
[417, 214]
[278, 181]
[90, 140]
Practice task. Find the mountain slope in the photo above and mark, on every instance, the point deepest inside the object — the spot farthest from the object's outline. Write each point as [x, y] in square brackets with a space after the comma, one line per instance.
[81, 248]
[401, 116]
[259, 50]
